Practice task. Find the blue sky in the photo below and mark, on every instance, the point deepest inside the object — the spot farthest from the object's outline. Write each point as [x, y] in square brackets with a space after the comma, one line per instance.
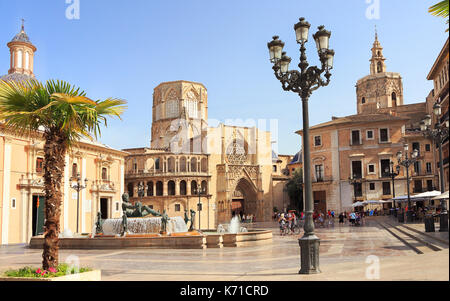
[126, 48]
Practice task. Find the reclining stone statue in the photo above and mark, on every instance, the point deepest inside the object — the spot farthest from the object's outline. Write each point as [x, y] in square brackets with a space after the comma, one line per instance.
[136, 210]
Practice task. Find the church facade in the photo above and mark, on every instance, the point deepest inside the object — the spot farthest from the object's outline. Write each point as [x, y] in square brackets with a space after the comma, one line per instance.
[215, 171]
[21, 172]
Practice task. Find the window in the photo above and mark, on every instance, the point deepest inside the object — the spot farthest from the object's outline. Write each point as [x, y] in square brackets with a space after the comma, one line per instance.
[74, 170]
[159, 188]
[384, 135]
[355, 137]
[171, 164]
[394, 99]
[157, 161]
[172, 109]
[317, 140]
[379, 67]
[417, 186]
[39, 164]
[430, 185]
[177, 207]
[319, 173]
[13, 203]
[357, 169]
[372, 168]
[204, 187]
[183, 187]
[369, 134]
[417, 167]
[372, 186]
[171, 187]
[386, 188]
[130, 187]
[385, 167]
[117, 206]
[357, 189]
[416, 145]
[194, 164]
[428, 167]
[104, 173]
[274, 168]
[194, 188]
[427, 147]
[363, 100]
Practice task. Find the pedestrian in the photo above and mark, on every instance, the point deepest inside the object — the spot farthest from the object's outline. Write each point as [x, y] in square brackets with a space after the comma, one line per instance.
[341, 218]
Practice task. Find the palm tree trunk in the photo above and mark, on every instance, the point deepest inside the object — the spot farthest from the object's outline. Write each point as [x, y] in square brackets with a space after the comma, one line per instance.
[55, 149]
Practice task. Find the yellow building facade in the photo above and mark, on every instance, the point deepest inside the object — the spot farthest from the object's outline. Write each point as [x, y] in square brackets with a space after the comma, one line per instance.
[21, 172]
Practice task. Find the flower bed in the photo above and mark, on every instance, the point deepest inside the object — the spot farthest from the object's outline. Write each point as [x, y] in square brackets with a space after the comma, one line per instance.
[62, 272]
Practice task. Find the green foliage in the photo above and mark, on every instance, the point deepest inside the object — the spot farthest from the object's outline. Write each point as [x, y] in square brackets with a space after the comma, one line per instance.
[295, 186]
[56, 106]
[62, 270]
[440, 9]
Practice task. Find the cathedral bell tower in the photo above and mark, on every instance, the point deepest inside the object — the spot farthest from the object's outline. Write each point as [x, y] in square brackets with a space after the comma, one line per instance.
[377, 64]
[380, 89]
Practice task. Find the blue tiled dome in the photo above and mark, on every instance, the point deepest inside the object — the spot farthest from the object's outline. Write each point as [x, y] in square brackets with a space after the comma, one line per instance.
[17, 77]
[21, 37]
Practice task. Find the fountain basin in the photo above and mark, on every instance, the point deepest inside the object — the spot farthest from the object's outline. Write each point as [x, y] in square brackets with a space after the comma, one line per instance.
[180, 240]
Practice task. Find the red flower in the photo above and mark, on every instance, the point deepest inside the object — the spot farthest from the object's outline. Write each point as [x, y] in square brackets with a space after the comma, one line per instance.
[38, 271]
[52, 270]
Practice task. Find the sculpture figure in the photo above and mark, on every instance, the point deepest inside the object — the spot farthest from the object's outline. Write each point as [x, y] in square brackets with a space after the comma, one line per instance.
[136, 210]
[191, 228]
[164, 219]
[99, 224]
[124, 224]
[186, 218]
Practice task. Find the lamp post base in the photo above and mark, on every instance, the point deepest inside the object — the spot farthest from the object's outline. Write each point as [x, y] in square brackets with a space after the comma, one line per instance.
[443, 222]
[309, 254]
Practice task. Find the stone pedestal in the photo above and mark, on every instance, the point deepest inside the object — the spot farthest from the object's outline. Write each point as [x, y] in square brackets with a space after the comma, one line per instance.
[443, 222]
[309, 254]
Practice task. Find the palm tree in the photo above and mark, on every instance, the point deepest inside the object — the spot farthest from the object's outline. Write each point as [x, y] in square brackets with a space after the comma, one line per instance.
[62, 114]
[440, 10]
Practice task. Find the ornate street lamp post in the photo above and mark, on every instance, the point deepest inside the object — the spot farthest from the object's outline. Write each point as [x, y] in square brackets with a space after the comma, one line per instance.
[391, 173]
[78, 187]
[407, 162]
[304, 82]
[200, 190]
[439, 134]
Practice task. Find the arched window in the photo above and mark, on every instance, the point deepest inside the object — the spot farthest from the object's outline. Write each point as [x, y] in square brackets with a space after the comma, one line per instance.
[363, 100]
[194, 164]
[194, 187]
[171, 164]
[150, 188]
[130, 189]
[204, 187]
[159, 188]
[19, 59]
[183, 188]
[379, 67]
[394, 99]
[157, 164]
[183, 164]
[171, 188]
[204, 165]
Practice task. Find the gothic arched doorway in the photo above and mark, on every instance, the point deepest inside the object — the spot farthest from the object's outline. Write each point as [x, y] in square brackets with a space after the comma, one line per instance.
[243, 199]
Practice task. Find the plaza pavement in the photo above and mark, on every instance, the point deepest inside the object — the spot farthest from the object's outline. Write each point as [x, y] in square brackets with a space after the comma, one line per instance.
[343, 254]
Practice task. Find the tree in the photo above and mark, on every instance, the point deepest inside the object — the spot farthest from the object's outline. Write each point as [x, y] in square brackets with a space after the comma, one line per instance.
[294, 189]
[62, 114]
[440, 9]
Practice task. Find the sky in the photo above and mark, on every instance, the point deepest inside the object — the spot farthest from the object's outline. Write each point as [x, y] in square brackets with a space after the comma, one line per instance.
[124, 49]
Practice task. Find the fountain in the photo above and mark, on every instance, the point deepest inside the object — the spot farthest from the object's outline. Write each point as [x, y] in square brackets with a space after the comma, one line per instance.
[137, 230]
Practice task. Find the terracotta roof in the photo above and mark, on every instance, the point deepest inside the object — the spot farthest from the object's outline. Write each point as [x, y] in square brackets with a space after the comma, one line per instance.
[358, 118]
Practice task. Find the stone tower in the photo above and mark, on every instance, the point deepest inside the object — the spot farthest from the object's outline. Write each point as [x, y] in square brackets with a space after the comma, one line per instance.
[179, 117]
[380, 89]
[22, 55]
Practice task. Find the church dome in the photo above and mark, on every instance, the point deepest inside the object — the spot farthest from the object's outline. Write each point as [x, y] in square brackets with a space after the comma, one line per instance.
[21, 37]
